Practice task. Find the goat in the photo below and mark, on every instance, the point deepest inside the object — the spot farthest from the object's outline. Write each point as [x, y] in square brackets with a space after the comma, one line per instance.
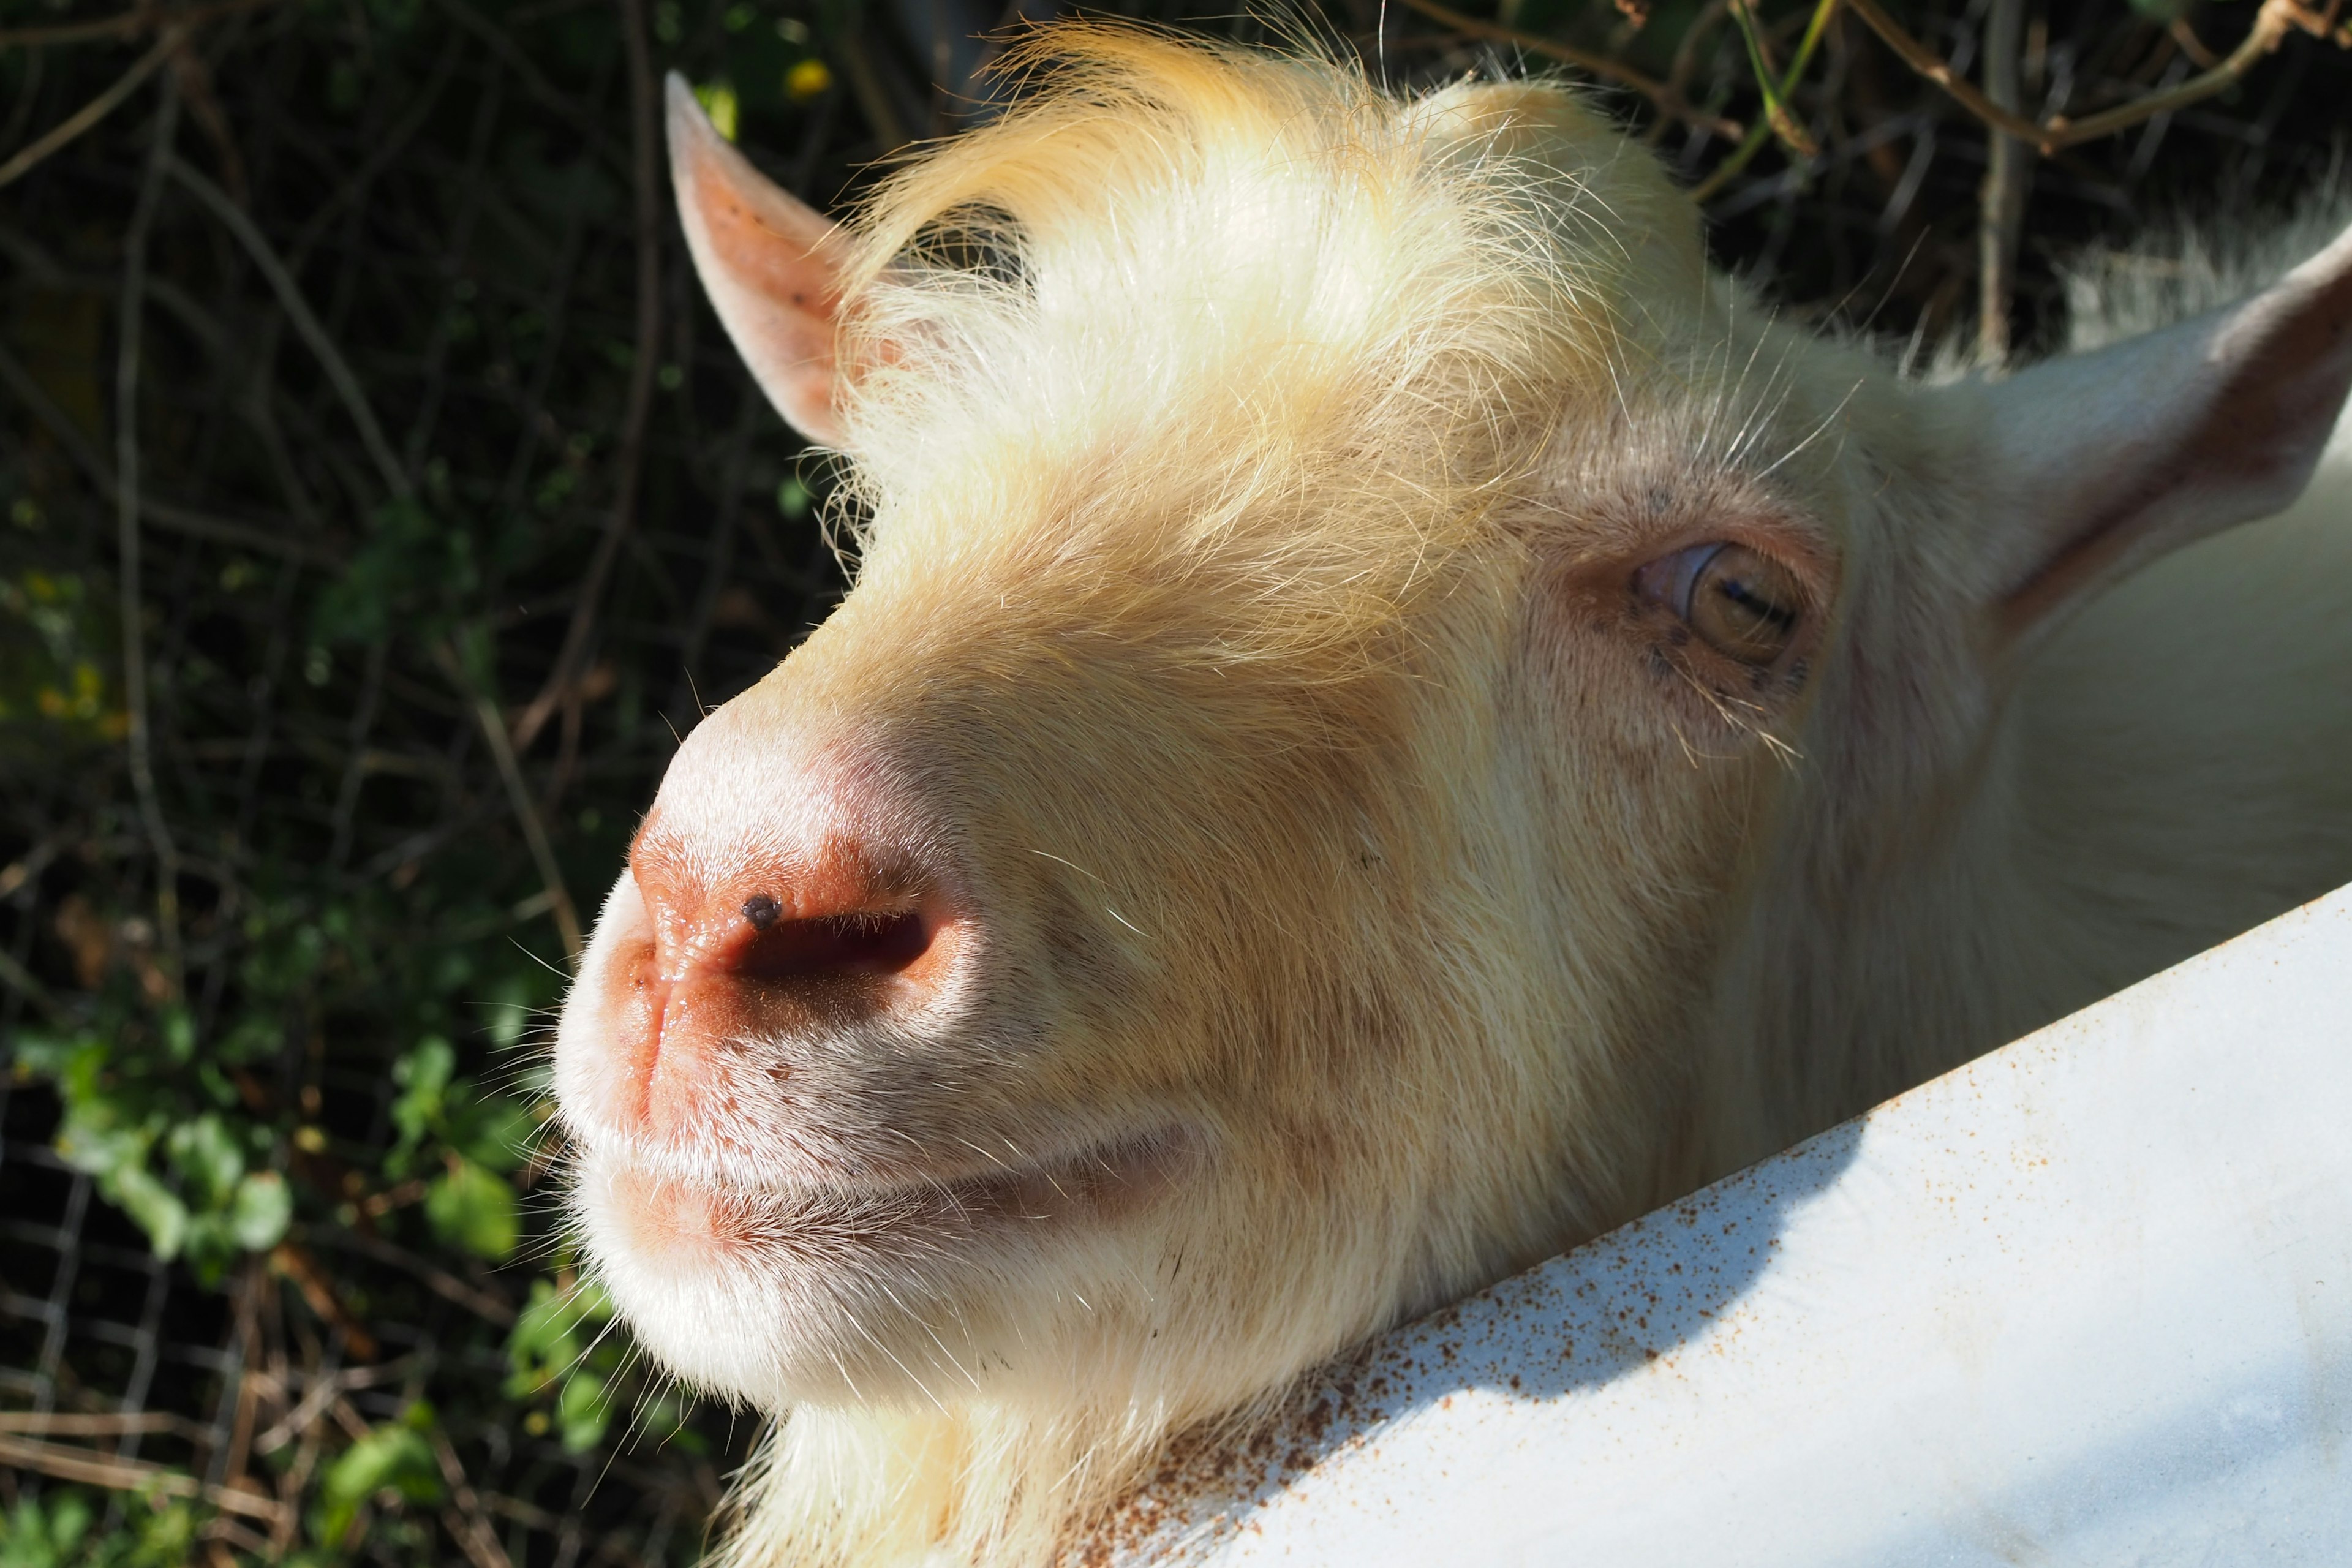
[1388, 720]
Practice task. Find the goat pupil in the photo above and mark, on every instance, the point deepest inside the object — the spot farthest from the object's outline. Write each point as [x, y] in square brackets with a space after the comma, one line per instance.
[1744, 604]
[1756, 604]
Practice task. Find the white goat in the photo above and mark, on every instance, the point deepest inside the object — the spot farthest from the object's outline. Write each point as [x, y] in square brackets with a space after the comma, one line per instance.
[1388, 721]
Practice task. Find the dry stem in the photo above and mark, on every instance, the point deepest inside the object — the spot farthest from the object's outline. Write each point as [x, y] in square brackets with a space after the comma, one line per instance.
[562, 688]
[130, 343]
[89, 113]
[2001, 210]
[2048, 136]
[1668, 99]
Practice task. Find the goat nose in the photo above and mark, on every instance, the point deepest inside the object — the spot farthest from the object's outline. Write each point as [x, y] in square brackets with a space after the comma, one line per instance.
[743, 958]
[842, 918]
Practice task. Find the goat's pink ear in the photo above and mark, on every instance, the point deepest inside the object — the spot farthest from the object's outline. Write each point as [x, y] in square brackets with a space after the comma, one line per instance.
[2101, 462]
[764, 258]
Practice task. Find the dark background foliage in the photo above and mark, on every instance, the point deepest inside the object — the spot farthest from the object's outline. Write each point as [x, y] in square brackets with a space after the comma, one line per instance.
[382, 504]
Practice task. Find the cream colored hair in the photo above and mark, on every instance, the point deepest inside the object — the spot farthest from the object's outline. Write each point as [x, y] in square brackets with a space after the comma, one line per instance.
[1259, 474]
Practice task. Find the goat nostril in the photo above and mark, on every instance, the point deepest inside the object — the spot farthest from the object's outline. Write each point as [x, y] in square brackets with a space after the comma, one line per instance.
[827, 945]
[762, 911]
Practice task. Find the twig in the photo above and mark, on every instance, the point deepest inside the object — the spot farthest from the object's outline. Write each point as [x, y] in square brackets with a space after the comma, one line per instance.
[130, 343]
[1685, 59]
[203, 103]
[534, 81]
[253, 1288]
[28, 985]
[80, 1465]
[1667, 100]
[480, 1302]
[163, 514]
[542, 854]
[2192, 46]
[324, 1392]
[89, 113]
[2001, 205]
[1761, 132]
[562, 688]
[464, 1519]
[872, 93]
[355, 761]
[387, 148]
[2049, 136]
[297, 310]
[28, 97]
[300, 1268]
[51, 1424]
[1783, 124]
[521, 1512]
[128, 25]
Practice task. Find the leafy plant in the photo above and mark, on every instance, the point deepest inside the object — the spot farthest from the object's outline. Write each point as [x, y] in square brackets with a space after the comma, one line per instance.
[395, 1459]
[482, 1134]
[198, 1183]
[54, 1531]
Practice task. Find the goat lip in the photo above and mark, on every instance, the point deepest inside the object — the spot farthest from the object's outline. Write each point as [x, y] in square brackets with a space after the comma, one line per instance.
[1104, 1180]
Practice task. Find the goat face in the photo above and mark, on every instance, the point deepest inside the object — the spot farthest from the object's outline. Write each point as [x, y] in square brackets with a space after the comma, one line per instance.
[1254, 853]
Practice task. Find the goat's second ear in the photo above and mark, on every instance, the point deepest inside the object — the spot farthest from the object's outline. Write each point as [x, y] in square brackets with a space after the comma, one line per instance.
[2101, 462]
[763, 258]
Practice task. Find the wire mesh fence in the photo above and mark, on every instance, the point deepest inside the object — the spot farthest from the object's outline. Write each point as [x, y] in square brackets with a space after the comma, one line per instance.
[382, 506]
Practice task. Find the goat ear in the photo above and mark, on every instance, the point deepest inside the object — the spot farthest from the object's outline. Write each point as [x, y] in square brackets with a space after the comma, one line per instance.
[762, 256]
[2102, 462]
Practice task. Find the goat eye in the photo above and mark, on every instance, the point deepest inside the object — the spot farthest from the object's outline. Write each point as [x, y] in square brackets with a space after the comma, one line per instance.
[1741, 603]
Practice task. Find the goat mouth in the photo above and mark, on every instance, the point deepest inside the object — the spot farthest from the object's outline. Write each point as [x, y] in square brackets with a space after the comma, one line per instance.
[1104, 1180]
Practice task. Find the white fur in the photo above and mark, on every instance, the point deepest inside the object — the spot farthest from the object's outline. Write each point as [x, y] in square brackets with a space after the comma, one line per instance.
[1360, 880]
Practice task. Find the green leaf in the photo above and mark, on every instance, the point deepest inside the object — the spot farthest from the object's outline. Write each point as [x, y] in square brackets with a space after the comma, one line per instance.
[494, 1131]
[423, 1075]
[161, 1537]
[545, 1341]
[512, 1005]
[395, 1456]
[93, 1140]
[179, 1035]
[158, 1209]
[34, 1537]
[718, 99]
[475, 1209]
[40, 1053]
[263, 1208]
[583, 1409]
[206, 1155]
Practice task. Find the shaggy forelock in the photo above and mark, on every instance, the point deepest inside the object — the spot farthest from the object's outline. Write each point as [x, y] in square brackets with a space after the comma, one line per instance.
[1244, 319]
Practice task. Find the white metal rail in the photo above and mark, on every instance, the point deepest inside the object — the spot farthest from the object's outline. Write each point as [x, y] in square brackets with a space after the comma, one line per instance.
[2087, 1300]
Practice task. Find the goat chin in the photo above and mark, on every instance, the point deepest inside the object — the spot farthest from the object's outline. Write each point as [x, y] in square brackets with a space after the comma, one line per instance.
[1388, 721]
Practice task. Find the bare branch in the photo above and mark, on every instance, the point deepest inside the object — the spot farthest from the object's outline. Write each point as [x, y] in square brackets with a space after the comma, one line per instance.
[71, 1464]
[463, 1518]
[482, 1302]
[502, 752]
[297, 310]
[128, 25]
[561, 687]
[89, 113]
[1774, 123]
[163, 514]
[2271, 25]
[2001, 205]
[130, 346]
[28, 985]
[1666, 98]
[56, 1424]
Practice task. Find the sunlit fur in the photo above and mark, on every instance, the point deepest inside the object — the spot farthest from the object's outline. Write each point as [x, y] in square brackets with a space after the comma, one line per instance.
[1254, 463]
